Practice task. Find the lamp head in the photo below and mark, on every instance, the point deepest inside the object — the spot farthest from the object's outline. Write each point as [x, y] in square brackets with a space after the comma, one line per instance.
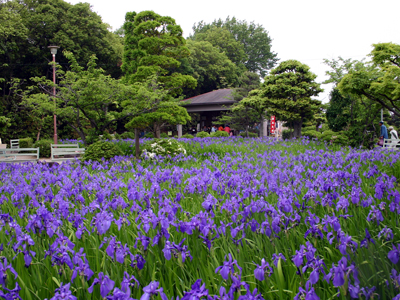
[53, 49]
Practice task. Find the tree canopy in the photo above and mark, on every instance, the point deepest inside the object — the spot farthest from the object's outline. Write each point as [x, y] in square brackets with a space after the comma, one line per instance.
[254, 38]
[379, 83]
[286, 93]
[87, 100]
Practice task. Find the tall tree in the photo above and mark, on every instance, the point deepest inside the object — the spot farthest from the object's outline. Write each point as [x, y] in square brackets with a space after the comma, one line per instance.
[287, 91]
[355, 114]
[224, 40]
[86, 99]
[210, 67]
[254, 38]
[153, 47]
[380, 83]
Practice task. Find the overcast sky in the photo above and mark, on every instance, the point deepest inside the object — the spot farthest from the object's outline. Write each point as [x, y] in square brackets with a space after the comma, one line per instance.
[307, 30]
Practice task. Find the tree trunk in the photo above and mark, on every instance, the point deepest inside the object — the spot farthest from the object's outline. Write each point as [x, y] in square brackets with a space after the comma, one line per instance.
[137, 149]
[297, 128]
[157, 130]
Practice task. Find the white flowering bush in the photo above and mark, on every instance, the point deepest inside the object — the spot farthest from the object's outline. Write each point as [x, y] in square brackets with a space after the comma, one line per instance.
[163, 147]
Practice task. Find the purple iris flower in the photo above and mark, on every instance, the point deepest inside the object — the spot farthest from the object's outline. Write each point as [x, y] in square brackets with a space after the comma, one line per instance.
[228, 267]
[63, 292]
[126, 282]
[251, 295]
[261, 270]
[103, 221]
[340, 271]
[394, 254]
[198, 290]
[308, 294]
[138, 261]
[3, 275]
[106, 284]
[386, 233]
[375, 214]
[13, 294]
[82, 269]
[152, 289]
[368, 292]
[368, 239]
[120, 295]
[276, 257]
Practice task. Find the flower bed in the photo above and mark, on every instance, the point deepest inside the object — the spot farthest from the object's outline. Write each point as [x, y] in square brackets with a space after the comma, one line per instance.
[234, 218]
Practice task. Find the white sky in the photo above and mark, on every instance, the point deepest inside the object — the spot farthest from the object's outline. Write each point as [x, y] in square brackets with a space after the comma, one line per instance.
[305, 30]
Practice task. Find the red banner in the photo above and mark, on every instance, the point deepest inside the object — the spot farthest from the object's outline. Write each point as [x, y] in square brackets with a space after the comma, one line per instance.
[272, 128]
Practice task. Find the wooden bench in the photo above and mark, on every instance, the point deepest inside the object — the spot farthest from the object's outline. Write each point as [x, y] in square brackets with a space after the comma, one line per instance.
[65, 151]
[392, 144]
[19, 154]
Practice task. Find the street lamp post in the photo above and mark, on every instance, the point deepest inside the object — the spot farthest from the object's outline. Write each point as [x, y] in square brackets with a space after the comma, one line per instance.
[53, 50]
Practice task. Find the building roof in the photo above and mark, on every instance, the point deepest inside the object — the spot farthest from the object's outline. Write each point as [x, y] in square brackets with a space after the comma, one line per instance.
[217, 97]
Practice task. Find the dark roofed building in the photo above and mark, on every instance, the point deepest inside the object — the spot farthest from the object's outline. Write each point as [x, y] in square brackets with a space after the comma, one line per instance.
[218, 100]
[209, 106]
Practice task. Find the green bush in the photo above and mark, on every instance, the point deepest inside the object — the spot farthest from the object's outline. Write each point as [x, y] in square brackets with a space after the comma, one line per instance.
[149, 135]
[107, 136]
[334, 137]
[219, 134]
[187, 136]
[44, 147]
[163, 135]
[102, 149]
[251, 134]
[202, 134]
[26, 143]
[162, 147]
[311, 134]
[286, 134]
[127, 135]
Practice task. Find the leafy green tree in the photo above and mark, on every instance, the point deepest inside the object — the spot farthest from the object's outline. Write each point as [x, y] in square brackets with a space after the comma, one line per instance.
[380, 83]
[254, 38]
[338, 113]
[244, 114]
[226, 43]
[153, 47]
[286, 93]
[355, 114]
[154, 103]
[210, 67]
[87, 99]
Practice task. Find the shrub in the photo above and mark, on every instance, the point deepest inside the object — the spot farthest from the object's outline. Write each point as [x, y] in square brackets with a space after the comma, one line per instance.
[286, 134]
[163, 135]
[102, 149]
[44, 147]
[334, 137]
[251, 134]
[149, 135]
[162, 147]
[312, 134]
[107, 136]
[202, 134]
[127, 135]
[26, 143]
[219, 134]
[187, 136]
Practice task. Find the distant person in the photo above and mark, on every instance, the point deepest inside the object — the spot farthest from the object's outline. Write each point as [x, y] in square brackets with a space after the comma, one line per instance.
[213, 128]
[384, 134]
[193, 131]
[220, 128]
[227, 129]
[393, 136]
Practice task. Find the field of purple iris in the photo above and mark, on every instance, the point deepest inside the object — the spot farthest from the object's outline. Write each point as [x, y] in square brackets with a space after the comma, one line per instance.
[233, 219]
